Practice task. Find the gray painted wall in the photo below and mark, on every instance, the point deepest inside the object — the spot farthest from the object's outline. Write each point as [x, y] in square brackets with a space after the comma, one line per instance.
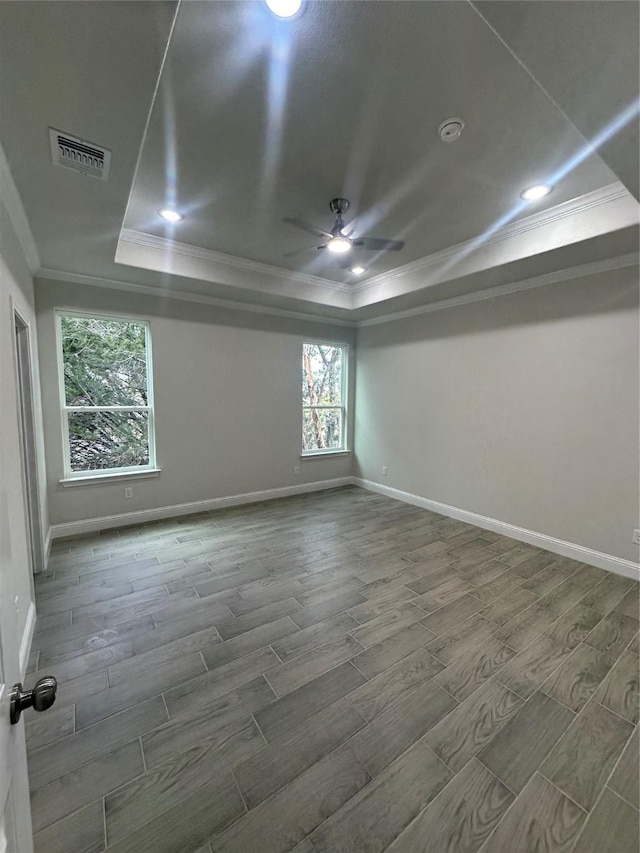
[227, 396]
[522, 408]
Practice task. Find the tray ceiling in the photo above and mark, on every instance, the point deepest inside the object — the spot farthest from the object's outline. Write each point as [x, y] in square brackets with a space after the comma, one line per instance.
[238, 119]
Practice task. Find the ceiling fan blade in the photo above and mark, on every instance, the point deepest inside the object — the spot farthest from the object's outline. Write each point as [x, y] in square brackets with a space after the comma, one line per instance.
[300, 251]
[304, 226]
[374, 244]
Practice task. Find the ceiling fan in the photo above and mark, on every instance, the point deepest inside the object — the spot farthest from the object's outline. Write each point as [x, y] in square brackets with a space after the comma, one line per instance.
[336, 240]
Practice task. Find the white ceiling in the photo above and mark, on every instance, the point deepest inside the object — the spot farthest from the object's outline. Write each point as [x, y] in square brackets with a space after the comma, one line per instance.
[586, 57]
[254, 119]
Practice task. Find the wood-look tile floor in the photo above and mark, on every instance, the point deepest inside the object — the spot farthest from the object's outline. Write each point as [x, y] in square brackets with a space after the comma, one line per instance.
[332, 673]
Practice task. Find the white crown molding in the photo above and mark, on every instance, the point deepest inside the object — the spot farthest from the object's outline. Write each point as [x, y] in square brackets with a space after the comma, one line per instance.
[609, 562]
[139, 238]
[608, 208]
[13, 203]
[89, 525]
[186, 296]
[588, 201]
[554, 277]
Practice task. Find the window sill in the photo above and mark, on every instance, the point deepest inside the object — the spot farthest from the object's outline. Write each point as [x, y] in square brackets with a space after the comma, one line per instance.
[97, 479]
[322, 454]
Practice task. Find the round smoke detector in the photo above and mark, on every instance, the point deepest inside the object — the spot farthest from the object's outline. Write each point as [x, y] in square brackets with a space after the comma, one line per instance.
[451, 129]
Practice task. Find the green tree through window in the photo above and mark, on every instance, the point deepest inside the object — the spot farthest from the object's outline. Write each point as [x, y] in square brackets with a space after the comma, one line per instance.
[108, 416]
[323, 397]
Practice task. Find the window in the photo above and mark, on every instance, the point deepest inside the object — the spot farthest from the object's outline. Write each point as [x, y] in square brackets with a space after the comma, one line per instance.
[324, 368]
[106, 395]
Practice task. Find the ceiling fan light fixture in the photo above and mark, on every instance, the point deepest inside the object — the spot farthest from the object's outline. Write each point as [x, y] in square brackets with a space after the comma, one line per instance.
[170, 215]
[536, 192]
[284, 8]
[336, 241]
[339, 245]
[357, 270]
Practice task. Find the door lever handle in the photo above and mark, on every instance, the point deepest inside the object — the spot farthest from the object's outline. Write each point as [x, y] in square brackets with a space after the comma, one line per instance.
[40, 698]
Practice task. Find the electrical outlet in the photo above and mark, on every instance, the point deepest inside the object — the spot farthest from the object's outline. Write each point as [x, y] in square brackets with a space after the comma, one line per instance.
[296, 469]
[128, 491]
[385, 470]
[636, 537]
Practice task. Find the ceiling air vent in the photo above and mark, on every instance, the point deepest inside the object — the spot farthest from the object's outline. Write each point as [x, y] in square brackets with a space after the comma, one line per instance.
[80, 155]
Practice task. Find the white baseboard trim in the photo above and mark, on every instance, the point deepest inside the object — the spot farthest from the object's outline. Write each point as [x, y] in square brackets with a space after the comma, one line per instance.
[90, 525]
[618, 565]
[27, 637]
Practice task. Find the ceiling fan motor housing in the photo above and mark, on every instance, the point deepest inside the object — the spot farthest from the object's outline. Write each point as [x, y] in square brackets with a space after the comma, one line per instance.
[339, 205]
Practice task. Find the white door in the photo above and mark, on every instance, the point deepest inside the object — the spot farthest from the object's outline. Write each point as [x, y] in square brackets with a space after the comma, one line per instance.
[16, 595]
[15, 814]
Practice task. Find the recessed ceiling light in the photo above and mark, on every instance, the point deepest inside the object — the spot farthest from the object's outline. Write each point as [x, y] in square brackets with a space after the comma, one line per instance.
[339, 245]
[357, 270]
[170, 215]
[284, 8]
[536, 192]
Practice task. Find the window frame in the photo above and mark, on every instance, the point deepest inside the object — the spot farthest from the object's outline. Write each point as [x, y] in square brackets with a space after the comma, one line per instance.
[344, 388]
[95, 474]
